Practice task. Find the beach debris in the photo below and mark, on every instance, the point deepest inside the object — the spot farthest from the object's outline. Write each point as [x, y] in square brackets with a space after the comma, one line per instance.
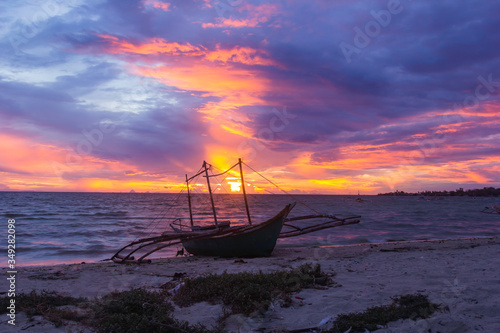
[324, 321]
[178, 276]
[176, 288]
[173, 285]
[240, 261]
[27, 326]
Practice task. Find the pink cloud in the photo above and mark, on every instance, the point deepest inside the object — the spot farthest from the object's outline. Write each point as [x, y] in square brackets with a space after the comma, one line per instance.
[256, 16]
[165, 6]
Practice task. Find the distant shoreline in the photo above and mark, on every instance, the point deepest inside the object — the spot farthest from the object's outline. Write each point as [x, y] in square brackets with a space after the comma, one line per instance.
[484, 192]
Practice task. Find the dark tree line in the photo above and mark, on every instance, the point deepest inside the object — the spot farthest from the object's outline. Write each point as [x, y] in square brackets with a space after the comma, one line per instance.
[483, 192]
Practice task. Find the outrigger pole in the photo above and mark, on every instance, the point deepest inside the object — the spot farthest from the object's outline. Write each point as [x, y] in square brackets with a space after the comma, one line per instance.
[210, 192]
[189, 202]
[244, 191]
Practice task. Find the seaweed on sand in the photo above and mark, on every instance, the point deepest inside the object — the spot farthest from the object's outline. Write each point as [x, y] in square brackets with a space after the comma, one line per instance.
[247, 292]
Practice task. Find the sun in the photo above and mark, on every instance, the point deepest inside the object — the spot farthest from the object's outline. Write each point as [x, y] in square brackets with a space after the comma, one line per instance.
[235, 186]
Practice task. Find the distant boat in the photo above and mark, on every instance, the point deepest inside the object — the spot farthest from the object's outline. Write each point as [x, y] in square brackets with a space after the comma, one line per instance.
[358, 199]
[223, 240]
[491, 210]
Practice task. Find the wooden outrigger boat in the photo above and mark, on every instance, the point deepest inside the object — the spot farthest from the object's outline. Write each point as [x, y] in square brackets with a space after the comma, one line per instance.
[251, 241]
[222, 239]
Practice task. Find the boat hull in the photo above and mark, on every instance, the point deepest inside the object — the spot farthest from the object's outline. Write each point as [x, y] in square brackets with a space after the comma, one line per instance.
[254, 241]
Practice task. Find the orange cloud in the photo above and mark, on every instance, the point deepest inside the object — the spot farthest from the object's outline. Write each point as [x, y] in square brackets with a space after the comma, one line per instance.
[26, 164]
[159, 46]
[27, 157]
[221, 81]
[242, 55]
[114, 45]
[165, 6]
[223, 73]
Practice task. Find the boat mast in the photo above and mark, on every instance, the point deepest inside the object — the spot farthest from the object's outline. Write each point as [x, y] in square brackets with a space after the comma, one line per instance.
[189, 202]
[244, 191]
[210, 192]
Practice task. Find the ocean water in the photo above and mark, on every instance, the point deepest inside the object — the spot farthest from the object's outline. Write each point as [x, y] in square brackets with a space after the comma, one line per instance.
[54, 228]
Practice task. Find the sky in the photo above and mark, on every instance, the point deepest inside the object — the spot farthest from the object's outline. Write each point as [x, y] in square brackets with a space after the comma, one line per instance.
[321, 97]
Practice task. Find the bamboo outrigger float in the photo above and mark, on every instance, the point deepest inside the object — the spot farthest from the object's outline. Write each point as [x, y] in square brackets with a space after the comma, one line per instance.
[222, 239]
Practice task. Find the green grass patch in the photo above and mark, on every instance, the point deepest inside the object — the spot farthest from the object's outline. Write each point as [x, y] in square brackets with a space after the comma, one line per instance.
[249, 292]
[136, 310]
[45, 304]
[403, 307]
[141, 311]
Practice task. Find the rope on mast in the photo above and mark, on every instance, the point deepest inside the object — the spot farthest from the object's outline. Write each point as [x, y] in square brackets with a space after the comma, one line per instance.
[244, 191]
[279, 188]
[210, 192]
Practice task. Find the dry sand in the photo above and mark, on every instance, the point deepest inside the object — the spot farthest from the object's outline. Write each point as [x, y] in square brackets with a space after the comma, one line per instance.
[462, 275]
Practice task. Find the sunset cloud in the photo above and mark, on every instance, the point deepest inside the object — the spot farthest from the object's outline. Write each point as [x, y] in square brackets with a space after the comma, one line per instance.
[114, 45]
[251, 16]
[415, 107]
[165, 6]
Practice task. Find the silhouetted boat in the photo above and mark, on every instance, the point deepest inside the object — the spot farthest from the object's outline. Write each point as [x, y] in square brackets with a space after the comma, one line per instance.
[248, 241]
[222, 239]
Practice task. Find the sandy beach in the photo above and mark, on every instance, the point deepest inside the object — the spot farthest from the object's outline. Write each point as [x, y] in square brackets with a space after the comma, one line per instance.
[462, 275]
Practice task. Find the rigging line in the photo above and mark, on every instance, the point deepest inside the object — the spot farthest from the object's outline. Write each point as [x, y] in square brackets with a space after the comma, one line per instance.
[197, 174]
[164, 211]
[205, 199]
[231, 198]
[295, 198]
[174, 205]
[161, 215]
[220, 170]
